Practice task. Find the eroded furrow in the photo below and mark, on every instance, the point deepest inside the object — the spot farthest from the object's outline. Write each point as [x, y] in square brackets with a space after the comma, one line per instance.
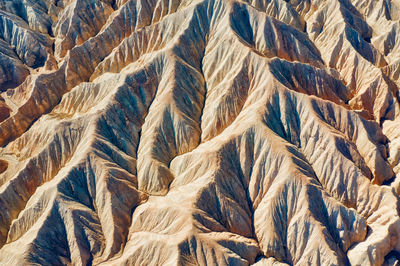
[199, 132]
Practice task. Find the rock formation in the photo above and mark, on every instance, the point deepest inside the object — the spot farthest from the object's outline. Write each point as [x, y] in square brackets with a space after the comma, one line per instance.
[199, 132]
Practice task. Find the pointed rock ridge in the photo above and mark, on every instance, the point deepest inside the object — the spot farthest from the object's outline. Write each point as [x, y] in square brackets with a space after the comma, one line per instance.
[199, 132]
[79, 21]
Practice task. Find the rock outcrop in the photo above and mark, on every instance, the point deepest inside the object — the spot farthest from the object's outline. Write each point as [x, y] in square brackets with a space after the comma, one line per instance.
[199, 132]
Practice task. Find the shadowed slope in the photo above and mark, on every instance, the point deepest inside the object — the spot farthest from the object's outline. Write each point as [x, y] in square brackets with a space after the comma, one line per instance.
[196, 132]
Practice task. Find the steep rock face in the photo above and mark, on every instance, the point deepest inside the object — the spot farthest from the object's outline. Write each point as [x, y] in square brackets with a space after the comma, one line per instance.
[199, 132]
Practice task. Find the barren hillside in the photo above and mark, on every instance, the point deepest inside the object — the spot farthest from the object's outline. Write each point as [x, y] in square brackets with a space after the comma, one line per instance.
[199, 132]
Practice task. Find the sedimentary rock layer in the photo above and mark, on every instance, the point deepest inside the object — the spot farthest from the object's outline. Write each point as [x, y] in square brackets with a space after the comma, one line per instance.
[199, 132]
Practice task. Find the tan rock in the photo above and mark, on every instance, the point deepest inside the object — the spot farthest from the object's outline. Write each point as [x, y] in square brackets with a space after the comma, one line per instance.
[199, 132]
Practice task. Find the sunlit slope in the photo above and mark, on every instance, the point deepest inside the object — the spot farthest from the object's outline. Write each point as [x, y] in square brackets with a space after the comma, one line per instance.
[195, 132]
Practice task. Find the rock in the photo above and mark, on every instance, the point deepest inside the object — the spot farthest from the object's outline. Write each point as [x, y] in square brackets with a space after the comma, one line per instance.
[199, 132]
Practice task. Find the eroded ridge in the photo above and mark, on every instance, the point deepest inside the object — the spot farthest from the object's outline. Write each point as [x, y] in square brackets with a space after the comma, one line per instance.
[199, 132]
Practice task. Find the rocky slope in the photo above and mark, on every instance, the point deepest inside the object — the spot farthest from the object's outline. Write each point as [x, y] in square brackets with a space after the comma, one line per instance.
[199, 132]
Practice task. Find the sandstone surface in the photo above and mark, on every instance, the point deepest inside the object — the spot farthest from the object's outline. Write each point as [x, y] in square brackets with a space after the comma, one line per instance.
[199, 132]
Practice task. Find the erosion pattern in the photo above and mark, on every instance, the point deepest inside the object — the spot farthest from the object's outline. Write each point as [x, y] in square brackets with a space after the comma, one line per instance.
[199, 132]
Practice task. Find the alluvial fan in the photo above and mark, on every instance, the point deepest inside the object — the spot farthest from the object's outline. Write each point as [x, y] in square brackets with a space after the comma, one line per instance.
[199, 132]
